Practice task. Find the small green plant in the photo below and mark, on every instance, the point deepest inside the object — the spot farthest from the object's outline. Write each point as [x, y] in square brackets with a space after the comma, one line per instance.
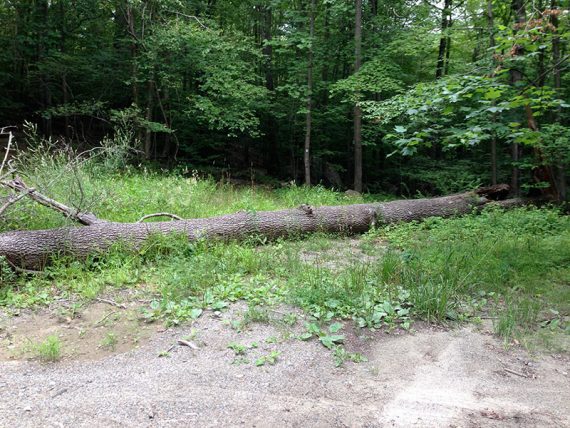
[110, 341]
[238, 348]
[240, 360]
[255, 314]
[328, 338]
[49, 350]
[290, 319]
[7, 274]
[341, 355]
[270, 359]
[163, 354]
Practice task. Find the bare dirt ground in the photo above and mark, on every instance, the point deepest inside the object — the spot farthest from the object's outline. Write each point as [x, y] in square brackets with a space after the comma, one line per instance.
[432, 377]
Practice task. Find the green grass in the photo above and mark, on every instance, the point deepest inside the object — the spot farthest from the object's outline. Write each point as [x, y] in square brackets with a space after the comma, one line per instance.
[512, 267]
[48, 351]
[128, 196]
[110, 341]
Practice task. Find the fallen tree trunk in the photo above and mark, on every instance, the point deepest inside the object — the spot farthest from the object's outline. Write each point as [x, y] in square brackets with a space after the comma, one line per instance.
[33, 249]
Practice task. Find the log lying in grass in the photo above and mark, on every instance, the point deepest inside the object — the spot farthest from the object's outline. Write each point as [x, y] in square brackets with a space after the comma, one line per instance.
[32, 249]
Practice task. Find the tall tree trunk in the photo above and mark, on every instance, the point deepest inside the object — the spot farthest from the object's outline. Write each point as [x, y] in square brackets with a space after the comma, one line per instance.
[307, 152]
[491, 27]
[130, 16]
[561, 168]
[148, 133]
[542, 172]
[519, 11]
[357, 110]
[444, 39]
[271, 134]
[43, 15]
[542, 51]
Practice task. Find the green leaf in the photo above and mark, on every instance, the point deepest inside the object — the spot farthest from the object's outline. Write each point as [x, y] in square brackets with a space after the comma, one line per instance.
[330, 341]
[336, 327]
[195, 313]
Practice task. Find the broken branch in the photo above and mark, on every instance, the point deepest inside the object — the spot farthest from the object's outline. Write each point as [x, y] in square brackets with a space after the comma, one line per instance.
[173, 216]
[18, 185]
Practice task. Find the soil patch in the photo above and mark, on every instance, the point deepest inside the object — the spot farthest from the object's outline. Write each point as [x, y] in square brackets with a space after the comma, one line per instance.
[430, 377]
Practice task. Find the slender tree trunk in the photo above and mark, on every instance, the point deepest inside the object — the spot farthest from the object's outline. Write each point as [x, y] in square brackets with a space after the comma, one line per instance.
[542, 53]
[43, 15]
[148, 133]
[444, 39]
[307, 152]
[519, 12]
[64, 86]
[491, 27]
[357, 110]
[271, 124]
[133, 47]
[560, 168]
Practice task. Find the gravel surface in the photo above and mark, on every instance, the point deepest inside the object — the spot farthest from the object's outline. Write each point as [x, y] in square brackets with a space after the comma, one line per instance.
[432, 377]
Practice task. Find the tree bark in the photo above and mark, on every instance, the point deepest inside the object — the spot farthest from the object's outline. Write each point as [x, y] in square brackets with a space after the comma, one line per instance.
[307, 152]
[33, 249]
[357, 110]
[561, 168]
[491, 28]
[444, 39]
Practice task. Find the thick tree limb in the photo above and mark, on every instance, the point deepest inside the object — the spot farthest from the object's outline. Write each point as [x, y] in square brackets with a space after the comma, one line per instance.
[33, 249]
[18, 185]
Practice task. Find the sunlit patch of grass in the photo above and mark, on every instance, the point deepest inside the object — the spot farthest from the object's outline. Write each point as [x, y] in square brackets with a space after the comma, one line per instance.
[49, 350]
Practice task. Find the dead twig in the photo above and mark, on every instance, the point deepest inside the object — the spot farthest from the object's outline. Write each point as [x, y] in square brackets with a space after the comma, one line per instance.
[102, 320]
[25, 271]
[12, 199]
[10, 137]
[187, 343]
[111, 302]
[515, 372]
[173, 216]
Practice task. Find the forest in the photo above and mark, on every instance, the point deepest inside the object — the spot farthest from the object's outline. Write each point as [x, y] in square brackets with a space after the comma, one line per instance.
[394, 97]
[284, 212]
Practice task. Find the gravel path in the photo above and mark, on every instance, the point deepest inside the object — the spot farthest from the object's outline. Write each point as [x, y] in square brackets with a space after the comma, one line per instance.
[428, 378]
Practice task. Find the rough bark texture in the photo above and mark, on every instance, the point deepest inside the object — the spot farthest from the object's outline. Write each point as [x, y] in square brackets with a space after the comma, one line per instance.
[357, 110]
[32, 249]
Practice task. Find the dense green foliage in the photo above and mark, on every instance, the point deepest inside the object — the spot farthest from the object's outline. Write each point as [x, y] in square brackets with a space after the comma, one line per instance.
[221, 85]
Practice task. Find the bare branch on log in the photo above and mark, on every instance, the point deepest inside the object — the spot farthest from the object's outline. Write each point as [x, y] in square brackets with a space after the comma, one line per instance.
[173, 216]
[8, 147]
[12, 199]
[87, 219]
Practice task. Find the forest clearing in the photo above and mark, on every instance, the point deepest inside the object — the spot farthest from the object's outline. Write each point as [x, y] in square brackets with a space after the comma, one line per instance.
[284, 213]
